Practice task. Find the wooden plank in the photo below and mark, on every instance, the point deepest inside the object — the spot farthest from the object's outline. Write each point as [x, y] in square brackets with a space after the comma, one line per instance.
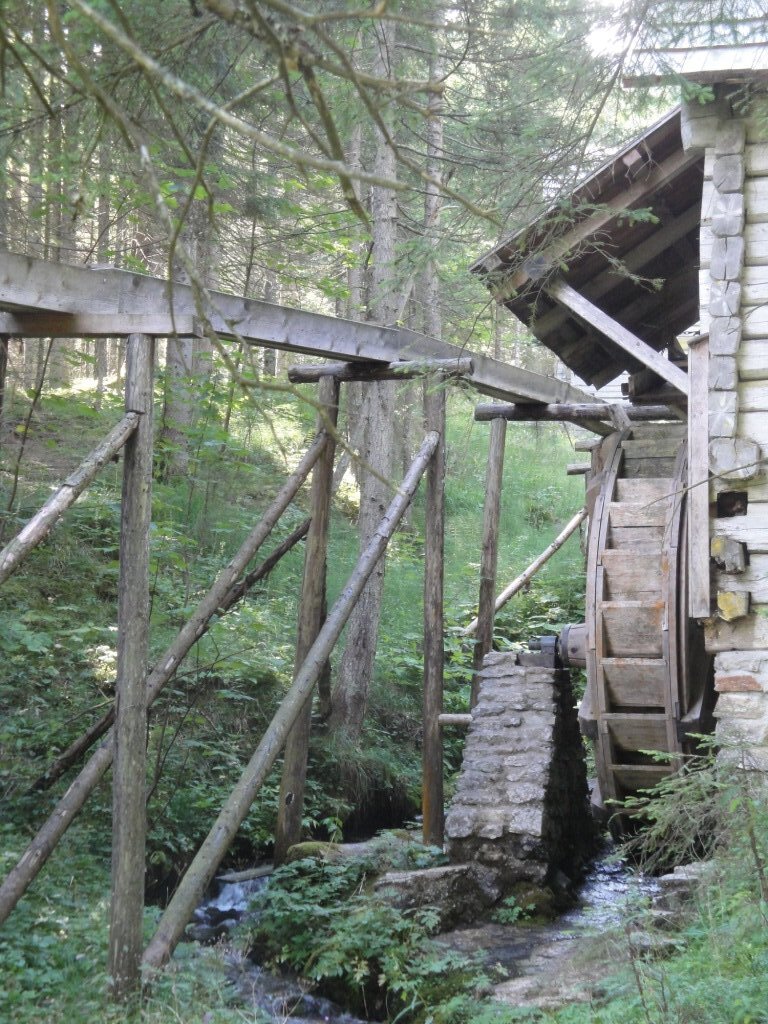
[632, 574]
[94, 325]
[41, 524]
[756, 159]
[751, 529]
[312, 606]
[705, 65]
[648, 491]
[639, 538]
[698, 487]
[753, 395]
[749, 634]
[633, 628]
[754, 579]
[129, 770]
[489, 555]
[636, 682]
[619, 335]
[755, 200]
[640, 514]
[433, 798]
[632, 777]
[752, 358]
[647, 466]
[754, 425]
[37, 285]
[633, 732]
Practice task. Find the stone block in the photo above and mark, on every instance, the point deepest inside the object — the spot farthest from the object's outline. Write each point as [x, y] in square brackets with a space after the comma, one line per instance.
[723, 413]
[728, 214]
[723, 374]
[740, 732]
[724, 298]
[743, 682]
[727, 259]
[728, 173]
[752, 707]
[735, 458]
[730, 137]
[752, 662]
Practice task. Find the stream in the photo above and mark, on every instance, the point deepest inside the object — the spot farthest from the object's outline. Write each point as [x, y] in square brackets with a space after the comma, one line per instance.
[537, 965]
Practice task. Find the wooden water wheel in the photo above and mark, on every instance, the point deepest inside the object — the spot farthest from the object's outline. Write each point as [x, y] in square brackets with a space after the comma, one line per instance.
[649, 681]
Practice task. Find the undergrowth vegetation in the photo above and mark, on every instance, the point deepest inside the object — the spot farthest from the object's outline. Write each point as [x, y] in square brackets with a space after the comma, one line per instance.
[58, 649]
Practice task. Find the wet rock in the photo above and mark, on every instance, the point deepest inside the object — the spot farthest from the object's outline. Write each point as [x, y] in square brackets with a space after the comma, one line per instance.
[458, 892]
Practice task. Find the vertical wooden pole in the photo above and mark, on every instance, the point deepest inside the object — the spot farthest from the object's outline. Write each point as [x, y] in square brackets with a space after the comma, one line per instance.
[491, 512]
[698, 481]
[312, 610]
[129, 769]
[3, 371]
[434, 542]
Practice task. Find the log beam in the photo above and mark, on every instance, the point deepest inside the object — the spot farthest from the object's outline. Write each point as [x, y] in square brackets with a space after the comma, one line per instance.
[129, 798]
[41, 524]
[389, 371]
[577, 413]
[38, 285]
[611, 329]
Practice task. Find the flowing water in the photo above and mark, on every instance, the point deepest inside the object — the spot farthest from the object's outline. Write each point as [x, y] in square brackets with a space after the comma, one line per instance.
[544, 965]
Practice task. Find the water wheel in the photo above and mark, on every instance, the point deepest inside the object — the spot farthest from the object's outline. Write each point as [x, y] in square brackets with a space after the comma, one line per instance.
[648, 678]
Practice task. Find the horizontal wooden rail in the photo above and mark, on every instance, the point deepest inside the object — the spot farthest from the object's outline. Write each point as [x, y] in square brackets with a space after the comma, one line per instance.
[380, 371]
[447, 719]
[575, 413]
[41, 524]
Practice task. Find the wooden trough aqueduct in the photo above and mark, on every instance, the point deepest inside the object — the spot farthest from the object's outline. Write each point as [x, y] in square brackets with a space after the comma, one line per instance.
[668, 468]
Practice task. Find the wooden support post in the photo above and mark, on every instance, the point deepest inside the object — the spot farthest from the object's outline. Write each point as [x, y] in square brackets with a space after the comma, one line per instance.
[312, 610]
[699, 601]
[203, 867]
[489, 556]
[129, 773]
[225, 588]
[41, 524]
[432, 798]
[3, 374]
[520, 581]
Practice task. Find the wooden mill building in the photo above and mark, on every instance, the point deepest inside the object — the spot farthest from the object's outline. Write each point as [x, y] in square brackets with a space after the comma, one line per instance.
[660, 270]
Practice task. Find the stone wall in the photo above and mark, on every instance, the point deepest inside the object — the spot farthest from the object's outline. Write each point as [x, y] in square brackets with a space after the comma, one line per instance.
[521, 803]
[733, 136]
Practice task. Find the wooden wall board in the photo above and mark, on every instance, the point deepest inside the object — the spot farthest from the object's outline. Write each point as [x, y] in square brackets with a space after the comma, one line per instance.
[748, 634]
[754, 579]
[751, 529]
[753, 394]
[629, 573]
[755, 426]
[636, 682]
[754, 321]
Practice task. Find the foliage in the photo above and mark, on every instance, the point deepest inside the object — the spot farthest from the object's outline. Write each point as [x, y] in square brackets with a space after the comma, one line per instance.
[317, 918]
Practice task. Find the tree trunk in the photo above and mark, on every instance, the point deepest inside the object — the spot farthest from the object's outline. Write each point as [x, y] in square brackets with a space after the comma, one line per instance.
[355, 673]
